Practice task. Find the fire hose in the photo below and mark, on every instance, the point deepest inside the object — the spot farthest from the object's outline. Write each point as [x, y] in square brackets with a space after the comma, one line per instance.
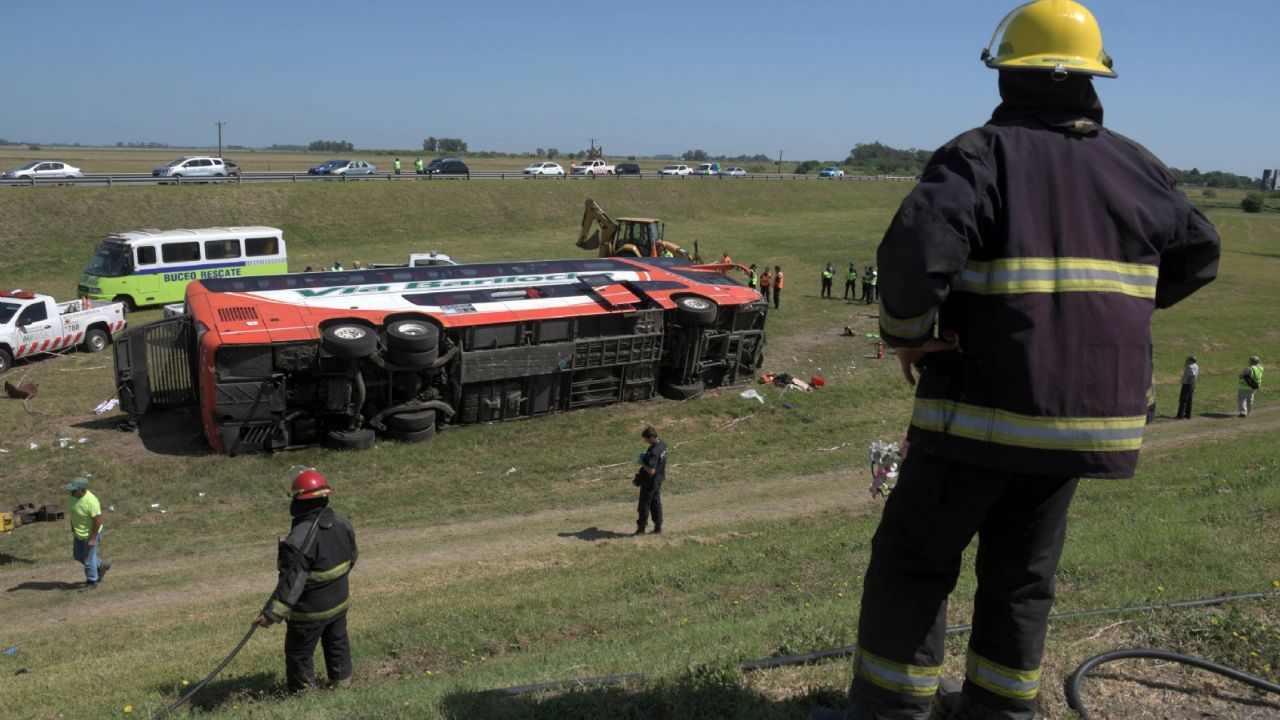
[306, 545]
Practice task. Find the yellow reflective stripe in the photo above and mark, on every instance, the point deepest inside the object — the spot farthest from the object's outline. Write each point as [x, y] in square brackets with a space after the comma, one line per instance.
[914, 680]
[279, 609]
[1057, 275]
[1001, 680]
[910, 328]
[320, 614]
[974, 422]
[333, 573]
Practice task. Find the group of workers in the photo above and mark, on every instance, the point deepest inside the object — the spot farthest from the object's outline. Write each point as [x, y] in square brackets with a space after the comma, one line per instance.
[335, 267]
[870, 278]
[766, 283]
[418, 166]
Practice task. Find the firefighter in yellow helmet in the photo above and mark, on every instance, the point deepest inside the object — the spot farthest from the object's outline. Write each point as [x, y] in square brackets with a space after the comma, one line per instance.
[1021, 275]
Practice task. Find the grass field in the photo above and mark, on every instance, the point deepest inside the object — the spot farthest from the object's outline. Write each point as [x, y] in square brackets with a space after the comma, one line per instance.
[496, 555]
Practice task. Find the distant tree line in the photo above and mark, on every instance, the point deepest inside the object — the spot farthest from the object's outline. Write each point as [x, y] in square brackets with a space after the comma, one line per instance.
[8, 142]
[1213, 179]
[444, 145]
[142, 145]
[287, 147]
[331, 146]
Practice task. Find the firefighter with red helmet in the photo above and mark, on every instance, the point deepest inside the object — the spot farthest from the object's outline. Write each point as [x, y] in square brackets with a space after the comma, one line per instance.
[311, 595]
[1021, 275]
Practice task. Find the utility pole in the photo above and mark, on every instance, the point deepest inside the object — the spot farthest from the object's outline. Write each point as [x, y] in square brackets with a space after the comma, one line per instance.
[219, 124]
[779, 162]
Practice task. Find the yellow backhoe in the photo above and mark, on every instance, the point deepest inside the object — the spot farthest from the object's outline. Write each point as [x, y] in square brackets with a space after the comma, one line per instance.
[630, 237]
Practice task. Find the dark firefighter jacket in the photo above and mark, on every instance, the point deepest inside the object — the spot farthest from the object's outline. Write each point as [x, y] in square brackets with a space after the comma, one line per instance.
[1045, 242]
[314, 589]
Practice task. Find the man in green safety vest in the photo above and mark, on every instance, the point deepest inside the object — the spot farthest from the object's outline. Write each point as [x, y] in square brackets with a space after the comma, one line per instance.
[828, 273]
[851, 282]
[869, 285]
[1250, 381]
[397, 166]
[417, 166]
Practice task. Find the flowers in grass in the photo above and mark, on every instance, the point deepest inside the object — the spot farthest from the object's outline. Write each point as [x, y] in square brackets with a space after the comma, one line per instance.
[885, 459]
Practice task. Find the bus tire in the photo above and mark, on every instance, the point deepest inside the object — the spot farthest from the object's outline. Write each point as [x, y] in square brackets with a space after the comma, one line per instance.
[682, 392]
[411, 421]
[411, 360]
[413, 335]
[412, 436]
[349, 340]
[361, 439]
[96, 340]
[695, 310]
[127, 301]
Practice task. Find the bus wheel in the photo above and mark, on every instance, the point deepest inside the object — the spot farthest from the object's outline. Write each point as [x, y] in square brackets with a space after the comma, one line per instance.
[695, 310]
[682, 392]
[349, 340]
[411, 421]
[95, 341]
[127, 301]
[414, 336]
[361, 439]
[412, 436]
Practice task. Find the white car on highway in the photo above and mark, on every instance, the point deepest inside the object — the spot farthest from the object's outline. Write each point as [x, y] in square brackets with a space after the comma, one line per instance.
[544, 168]
[735, 172]
[44, 169]
[355, 167]
[675, 170]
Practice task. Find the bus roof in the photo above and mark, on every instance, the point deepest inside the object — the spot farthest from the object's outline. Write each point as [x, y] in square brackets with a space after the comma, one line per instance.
[152, 234]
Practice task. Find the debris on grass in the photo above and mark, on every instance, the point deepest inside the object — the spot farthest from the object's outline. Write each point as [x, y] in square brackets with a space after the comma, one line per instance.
[106, 406]
[751, 394]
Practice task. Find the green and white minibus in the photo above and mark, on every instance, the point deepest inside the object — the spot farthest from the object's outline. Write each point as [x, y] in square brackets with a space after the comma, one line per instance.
[153, 267]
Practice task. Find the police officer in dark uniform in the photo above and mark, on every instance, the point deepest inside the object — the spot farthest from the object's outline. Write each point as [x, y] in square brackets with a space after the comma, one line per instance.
[649, 478]
[1021, 276]
[312, 594]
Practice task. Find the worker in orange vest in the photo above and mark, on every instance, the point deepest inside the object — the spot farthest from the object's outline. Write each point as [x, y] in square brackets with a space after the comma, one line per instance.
[765, 282]
[777, 286]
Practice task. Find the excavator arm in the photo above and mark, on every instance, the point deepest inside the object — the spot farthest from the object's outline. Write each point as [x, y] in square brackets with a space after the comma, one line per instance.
[602, 237]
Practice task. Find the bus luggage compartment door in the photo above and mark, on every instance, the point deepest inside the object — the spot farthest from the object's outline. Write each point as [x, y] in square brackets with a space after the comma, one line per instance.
[155, 366]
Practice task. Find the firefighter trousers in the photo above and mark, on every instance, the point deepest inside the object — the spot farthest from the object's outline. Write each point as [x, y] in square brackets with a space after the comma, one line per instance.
[300, 641]
[932, 514]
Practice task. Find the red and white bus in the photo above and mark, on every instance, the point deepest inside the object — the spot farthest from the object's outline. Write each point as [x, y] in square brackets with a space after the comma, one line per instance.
[338, 358]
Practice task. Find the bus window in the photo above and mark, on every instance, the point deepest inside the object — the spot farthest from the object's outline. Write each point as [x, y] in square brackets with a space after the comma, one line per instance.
[257, 247]
[180, 252]
[146, 255]
[221, 249]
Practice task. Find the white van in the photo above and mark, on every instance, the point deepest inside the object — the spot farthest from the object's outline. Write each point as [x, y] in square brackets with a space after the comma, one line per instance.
[192, 167]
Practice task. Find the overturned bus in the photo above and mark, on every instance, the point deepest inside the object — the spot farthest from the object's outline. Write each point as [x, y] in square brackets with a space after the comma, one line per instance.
[340, 358]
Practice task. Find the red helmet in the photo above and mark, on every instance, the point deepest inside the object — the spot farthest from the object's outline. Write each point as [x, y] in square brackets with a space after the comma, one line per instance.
[308, 484]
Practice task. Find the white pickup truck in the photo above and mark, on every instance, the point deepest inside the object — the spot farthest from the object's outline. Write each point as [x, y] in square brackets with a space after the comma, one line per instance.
[593, 167]
[31, 324]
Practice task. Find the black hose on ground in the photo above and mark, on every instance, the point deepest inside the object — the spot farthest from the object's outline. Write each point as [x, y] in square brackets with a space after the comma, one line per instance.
[848, 650]
[198, 686]
[1073, 685]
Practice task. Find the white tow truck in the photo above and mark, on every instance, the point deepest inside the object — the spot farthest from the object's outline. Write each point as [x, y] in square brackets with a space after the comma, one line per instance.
[32, 324]
[593, 167]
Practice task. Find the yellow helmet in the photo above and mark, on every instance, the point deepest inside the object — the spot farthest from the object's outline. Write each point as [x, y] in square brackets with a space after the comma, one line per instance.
[1055, 35]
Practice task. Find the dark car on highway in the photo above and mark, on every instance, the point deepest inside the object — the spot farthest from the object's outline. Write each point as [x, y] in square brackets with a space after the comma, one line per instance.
[627, 169]
[447, 166]
[327, 168]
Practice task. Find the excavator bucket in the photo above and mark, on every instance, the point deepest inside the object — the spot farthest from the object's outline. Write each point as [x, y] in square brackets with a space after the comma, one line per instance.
[591, 242]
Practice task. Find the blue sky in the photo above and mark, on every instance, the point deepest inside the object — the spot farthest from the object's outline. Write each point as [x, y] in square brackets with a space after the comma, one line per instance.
[1197, 79]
